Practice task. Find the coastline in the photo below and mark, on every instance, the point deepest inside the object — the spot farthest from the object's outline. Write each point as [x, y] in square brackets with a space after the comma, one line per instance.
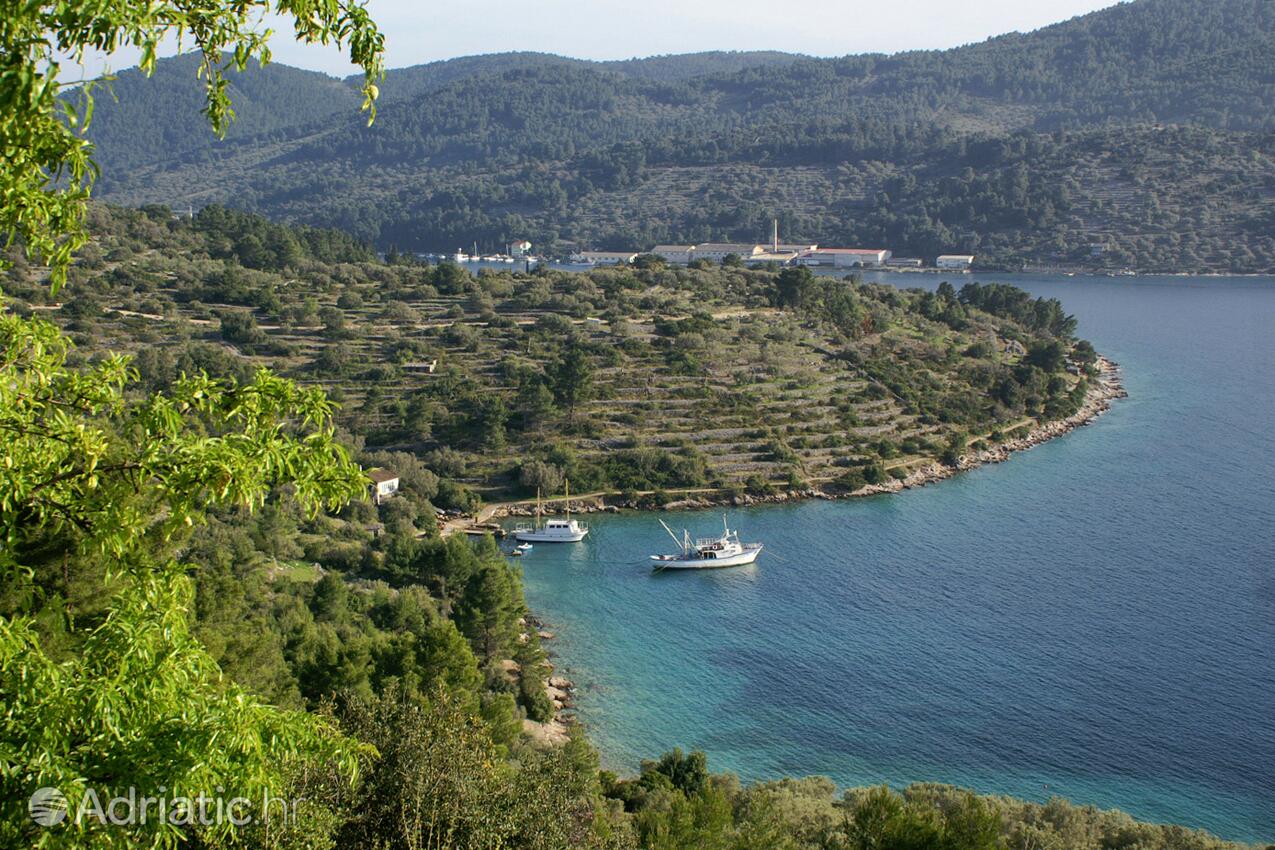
[1104, 389]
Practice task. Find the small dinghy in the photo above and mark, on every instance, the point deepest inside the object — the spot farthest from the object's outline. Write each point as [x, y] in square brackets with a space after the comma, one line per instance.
[707, 553]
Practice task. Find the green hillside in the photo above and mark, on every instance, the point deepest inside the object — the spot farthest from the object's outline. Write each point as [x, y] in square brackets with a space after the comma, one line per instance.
[139, 121]
[600, 377]
[418, 80]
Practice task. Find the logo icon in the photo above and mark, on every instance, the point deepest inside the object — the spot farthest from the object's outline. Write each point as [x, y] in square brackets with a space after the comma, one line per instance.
[47, 806]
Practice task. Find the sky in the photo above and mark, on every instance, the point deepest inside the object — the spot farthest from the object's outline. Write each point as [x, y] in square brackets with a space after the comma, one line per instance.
[419, 31]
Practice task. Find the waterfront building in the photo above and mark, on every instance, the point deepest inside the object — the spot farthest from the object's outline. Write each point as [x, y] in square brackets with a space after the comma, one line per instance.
[960, 262]
[844, 257]
[603, 258]
[674, 253]
[718, 251]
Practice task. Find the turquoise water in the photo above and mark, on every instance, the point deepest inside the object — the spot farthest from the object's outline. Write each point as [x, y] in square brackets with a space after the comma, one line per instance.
[1094, 618]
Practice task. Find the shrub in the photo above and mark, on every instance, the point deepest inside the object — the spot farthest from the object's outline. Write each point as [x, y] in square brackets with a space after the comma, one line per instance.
[852, 480]
[457, 497]
[536, 475]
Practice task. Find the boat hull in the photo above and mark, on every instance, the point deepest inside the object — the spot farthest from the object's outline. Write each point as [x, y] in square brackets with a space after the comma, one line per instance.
[543, 537]
[670, 562]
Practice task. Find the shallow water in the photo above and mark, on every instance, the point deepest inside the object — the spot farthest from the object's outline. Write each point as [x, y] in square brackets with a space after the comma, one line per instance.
[1094, 618]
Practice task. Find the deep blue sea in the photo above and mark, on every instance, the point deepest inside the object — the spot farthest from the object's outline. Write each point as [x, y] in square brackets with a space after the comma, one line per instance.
[1094, 618]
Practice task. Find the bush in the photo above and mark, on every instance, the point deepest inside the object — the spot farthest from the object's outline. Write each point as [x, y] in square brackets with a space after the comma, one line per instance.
[951, 455]
[874, 474]
[536, 475]
[457, 497]
[852, 479]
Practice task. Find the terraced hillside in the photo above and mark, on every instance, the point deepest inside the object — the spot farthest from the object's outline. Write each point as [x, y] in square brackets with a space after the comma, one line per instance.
[637, 379]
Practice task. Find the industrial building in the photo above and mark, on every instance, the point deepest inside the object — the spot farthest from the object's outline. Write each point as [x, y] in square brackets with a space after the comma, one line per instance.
[961, 262]
[718, 251]
[843, 257]
[603, 258]
[674, 253]
[751, 253]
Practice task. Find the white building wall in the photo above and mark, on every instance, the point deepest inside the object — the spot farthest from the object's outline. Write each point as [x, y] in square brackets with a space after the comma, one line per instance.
[673, 253]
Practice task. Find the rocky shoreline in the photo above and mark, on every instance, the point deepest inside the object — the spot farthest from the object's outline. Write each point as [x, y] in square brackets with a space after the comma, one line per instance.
[560, 691]
[1104, 389]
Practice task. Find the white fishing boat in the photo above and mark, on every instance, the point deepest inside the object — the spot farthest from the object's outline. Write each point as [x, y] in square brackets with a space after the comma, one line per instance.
[522, 547]
[565, 530]
[707, 553]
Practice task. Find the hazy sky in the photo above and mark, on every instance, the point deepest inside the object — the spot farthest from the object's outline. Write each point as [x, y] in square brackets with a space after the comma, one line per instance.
[421, 31]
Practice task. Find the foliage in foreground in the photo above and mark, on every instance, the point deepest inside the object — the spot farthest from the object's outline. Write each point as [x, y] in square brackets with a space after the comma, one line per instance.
[47, 170]
[90, 475]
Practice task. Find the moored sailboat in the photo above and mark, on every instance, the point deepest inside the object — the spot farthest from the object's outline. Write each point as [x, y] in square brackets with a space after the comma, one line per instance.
[554, 530]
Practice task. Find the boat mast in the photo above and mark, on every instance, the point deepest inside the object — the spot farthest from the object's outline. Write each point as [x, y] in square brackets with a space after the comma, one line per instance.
[682, 543]
[537, 509]
[567, 482]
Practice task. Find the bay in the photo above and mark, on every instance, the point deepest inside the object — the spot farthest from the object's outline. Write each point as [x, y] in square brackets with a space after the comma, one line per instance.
[1094, 618]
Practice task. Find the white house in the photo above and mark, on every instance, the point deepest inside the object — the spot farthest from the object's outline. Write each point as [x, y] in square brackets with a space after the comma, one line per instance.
[955, 261]
[421, 367]
[519, 248]
[384, 484]
[844, 257]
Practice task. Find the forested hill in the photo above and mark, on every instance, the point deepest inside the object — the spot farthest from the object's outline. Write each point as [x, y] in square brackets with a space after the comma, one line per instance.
[138, 121]
[422, 79]
[144, 121]
[1137, 136]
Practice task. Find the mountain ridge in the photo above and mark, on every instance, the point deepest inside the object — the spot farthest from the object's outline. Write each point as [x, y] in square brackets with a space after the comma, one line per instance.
[577, 153]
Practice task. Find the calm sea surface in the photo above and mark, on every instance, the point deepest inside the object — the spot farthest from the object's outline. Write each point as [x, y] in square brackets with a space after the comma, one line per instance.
[1093, 619]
